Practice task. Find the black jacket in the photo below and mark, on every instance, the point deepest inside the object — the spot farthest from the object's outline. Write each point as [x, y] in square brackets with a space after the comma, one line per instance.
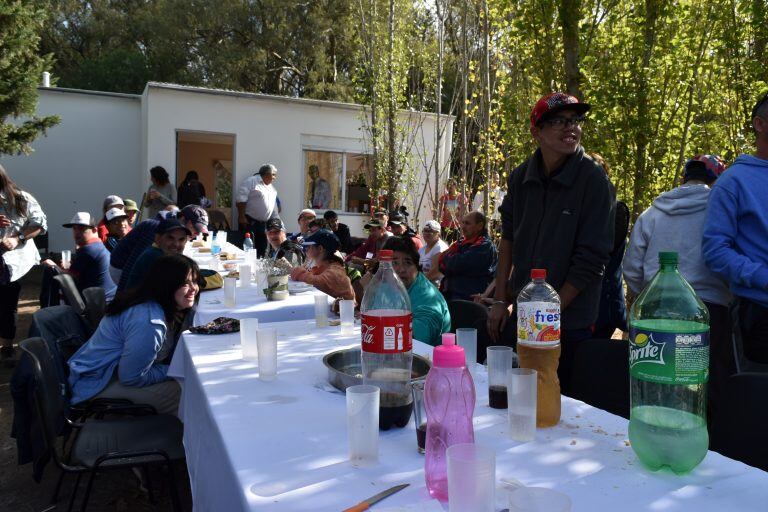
[345, 238]
[564, 224]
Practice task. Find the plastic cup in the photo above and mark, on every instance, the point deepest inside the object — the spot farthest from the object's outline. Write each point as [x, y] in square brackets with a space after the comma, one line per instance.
[521, 399]
[321, 310]
[245, 275]
[66, 259]
[261, 280]
[538, 499]
[419, 414]
[471, 478]
[466, 338]
[363, 424]
[499, 364]
[347, 313]
[221, 237]
[248, 328]
[230, 283]
[266, 344]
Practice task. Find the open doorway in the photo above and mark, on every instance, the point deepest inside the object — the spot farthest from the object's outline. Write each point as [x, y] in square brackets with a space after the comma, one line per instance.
[211, 156]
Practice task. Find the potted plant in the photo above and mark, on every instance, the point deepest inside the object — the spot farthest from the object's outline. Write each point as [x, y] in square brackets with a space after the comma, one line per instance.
[277, 280]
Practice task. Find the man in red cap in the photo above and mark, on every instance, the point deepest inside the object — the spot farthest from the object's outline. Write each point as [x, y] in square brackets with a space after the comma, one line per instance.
[557, 215]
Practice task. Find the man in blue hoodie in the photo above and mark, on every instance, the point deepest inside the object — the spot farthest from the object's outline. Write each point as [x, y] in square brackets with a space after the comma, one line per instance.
[735, 241]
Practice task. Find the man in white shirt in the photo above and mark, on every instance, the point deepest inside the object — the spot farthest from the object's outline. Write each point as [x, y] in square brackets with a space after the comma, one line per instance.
[256, 204]
[432, 247]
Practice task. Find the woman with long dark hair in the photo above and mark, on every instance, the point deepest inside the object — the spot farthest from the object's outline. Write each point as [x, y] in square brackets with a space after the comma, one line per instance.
[127, 355]
[161, 192]
[21, 220]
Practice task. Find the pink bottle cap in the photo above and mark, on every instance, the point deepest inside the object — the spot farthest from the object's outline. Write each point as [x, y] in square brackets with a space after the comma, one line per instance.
[449, 355]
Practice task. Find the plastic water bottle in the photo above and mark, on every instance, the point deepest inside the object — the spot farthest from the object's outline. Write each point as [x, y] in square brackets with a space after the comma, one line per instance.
[449, 397]
[247, 243]
[669, 368]
[538, 343]
[215, 247]
[387, 325]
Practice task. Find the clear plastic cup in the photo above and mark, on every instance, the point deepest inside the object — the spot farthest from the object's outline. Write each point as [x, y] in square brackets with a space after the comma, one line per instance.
[363, 424]
[66, 259]
[321, 310]
[347, 313]
[266, 341]
[248, 328]
[419, 414]
[230, 284]
[245, 275]
[538, 499]
[466, 338]
[499, 364]
[471, 478]
[521, 403]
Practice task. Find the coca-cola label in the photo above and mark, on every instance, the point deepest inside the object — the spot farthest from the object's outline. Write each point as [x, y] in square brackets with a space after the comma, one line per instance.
[387, 334]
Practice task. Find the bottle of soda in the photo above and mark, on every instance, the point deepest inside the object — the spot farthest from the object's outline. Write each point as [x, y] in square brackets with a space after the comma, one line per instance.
[449, 398]
[215, 247]
[247, 243]
[538, 343]
[386, 329]
[668, 367]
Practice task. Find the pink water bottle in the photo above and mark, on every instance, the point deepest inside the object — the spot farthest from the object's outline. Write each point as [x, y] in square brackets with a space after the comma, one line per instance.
[449, 397]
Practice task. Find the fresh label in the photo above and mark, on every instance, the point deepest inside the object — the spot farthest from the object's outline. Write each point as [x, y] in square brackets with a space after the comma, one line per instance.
[669, 358]
[387, 334]
[538, 323]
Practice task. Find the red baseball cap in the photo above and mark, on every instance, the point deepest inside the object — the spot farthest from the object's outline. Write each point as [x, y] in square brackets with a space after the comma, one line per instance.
[555, 102]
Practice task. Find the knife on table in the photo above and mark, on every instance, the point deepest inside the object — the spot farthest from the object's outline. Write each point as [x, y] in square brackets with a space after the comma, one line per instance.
[366, 504]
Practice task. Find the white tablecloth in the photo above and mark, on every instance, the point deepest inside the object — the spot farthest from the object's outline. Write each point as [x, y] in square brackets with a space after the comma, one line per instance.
[251, 303]
[282, 445]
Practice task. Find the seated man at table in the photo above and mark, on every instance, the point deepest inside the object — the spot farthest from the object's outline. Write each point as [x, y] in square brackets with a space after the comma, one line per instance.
[430, 311]
[128, 355]
[340, 230]
[328, 275]
[280, 246]
[117, 227]
[378, 234]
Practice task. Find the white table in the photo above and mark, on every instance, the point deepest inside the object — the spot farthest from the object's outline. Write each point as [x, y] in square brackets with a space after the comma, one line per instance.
[251, 303]
[282, 445]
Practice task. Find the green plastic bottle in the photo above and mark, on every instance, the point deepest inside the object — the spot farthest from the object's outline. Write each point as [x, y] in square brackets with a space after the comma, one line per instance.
[669, 368]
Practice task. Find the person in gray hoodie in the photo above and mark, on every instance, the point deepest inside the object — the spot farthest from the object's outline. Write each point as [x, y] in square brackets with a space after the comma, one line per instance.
[675, 222]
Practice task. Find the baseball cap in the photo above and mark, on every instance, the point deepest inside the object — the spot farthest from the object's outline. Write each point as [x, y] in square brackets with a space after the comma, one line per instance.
[704, 167]
[307, 211]
[555, 102]
[197, 216]
[168, 225]
[325, 239]
[130, 205]
[396, 219]
[432, 225]
[379, 213]
[114, 213]
[111, 201]
[374, 223]
[275, 224]
[81, 219]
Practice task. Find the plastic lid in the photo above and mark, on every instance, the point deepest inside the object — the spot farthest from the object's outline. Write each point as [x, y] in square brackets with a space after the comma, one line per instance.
[385, 255]
[449, 355]
[538, 273]
[247, 235]
[668, 257]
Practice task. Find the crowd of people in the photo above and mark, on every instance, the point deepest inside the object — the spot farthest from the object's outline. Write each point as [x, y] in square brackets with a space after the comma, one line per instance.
[558, 211]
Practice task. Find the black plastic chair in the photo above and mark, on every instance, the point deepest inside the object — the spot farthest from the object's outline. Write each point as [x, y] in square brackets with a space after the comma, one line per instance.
[601, 375]
[72, 295]
[738, 430]
[95, 303]
[468, 314]
[101, 444]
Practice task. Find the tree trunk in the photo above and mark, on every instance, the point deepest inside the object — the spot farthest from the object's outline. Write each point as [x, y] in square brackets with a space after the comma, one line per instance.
[570, 14]
[438, 92]
[392, 173]
[487, 102]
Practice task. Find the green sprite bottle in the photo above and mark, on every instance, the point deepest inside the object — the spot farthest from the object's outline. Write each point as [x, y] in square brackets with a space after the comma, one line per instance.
[669, 368]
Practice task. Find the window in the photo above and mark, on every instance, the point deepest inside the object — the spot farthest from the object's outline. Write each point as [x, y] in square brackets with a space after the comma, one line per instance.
[324, 174]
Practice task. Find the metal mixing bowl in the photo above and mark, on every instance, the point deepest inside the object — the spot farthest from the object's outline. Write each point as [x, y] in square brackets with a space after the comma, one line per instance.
[344, 368]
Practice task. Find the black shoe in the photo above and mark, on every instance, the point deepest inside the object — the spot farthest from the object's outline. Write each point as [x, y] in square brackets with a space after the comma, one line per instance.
[8, 356]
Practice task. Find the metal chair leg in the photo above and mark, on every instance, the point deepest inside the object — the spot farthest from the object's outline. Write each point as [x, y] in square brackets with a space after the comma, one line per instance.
[88, 490]
[175, 502]
[74, 492]
[57, 489]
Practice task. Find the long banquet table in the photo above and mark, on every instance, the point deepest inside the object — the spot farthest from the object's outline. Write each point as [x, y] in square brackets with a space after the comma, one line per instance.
[282, 445]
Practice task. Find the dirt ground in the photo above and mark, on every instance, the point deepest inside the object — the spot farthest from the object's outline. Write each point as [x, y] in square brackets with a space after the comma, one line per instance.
[112, 491]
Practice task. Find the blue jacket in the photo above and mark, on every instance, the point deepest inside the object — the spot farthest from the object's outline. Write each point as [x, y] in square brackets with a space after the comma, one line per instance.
[129, 342]
[735, 241]
[468, 266]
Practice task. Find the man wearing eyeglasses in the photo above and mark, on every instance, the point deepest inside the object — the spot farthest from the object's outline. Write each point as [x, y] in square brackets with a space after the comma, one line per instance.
[735, 241]
[557, 215]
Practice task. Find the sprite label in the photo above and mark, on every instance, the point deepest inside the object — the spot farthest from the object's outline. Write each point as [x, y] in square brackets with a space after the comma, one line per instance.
[669, 358]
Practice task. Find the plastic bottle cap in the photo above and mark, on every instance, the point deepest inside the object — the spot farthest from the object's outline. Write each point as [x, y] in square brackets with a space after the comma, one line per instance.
[247, 235]
[449, 338]
[385, 255]
[668, 257]
[538, 273]
[449, 356]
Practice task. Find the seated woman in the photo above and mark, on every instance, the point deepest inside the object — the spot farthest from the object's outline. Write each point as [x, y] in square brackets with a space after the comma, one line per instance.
[125, 356]
[430, 311]
[328, 275]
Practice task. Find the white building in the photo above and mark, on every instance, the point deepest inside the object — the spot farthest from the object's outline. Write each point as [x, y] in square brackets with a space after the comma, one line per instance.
[106, 143]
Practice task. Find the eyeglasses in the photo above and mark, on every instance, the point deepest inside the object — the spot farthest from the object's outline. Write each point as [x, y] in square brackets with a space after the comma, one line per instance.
[562, 123]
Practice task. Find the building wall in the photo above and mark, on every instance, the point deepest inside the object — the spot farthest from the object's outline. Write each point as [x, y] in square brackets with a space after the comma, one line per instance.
[95, 151]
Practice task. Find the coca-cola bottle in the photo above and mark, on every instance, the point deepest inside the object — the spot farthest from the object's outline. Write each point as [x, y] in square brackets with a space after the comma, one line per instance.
[387, 323]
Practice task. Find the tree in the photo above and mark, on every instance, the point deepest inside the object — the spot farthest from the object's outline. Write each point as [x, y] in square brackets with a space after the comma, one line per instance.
[21, 69]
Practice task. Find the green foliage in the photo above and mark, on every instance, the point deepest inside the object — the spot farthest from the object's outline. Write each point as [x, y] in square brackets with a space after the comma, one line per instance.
[21, 70]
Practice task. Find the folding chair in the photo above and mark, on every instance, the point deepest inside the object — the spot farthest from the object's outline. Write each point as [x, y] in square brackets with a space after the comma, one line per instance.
[71, 293]
[95, 304]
